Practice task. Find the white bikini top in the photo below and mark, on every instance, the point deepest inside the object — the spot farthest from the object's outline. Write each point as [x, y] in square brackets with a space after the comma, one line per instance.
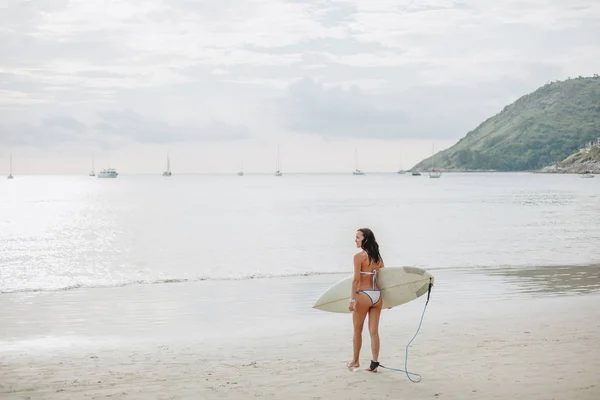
[374, 273]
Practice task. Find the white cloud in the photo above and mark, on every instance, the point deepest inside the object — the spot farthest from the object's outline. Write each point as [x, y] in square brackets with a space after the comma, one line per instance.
[240, 62]
[12, 98]
[272, 83]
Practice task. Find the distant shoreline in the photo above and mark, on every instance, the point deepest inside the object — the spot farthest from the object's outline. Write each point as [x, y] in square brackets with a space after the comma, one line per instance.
[554, 172]
[406, 172]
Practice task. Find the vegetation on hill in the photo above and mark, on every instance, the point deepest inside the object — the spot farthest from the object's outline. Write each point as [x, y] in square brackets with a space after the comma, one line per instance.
[539, 129]
[579, 162]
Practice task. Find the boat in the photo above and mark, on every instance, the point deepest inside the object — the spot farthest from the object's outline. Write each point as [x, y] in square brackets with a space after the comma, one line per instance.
[400, 170]
[92, 173]
[10, 175]
[356, 171]
[108, 173]
[278, 164]
[415, 173]
[168, 171]
[586, 174]
[241, 171]
[435, 173]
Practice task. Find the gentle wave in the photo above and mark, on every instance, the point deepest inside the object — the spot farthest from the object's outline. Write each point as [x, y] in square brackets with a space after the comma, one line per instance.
[536, 273]
[170, 280]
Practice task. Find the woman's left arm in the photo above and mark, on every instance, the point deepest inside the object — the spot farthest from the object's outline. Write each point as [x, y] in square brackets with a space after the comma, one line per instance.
[355, 281]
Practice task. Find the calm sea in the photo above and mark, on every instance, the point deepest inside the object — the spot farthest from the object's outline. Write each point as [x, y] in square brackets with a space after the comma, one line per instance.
[178, 254]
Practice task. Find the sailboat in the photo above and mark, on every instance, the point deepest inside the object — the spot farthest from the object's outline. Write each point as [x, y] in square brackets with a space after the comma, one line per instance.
[401, 171]
[241, 171]
[10, 175]
[278, 164]
[92, 173]
[168, 171]
[357, 171]
[435, 173]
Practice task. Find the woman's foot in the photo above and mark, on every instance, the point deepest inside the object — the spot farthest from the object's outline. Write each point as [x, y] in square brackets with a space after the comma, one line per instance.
[373, 367]
[352, 364]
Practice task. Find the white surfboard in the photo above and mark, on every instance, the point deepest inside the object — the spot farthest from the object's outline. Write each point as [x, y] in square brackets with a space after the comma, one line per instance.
[398, 285]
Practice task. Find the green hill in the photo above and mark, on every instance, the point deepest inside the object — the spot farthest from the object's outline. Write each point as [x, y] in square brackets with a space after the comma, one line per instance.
[539, 129]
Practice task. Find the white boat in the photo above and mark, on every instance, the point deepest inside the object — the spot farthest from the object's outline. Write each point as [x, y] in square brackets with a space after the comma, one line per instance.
[92, 173]
[400, 170]
[241, 171]
[168, 171]
[357, 170]
[278, 164]
[587, 174]
[10, 175]
[435, 173]
[108, 173]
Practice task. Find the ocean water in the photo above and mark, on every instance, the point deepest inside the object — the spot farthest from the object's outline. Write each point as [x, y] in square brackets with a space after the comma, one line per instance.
[85, 259]
[69, 232]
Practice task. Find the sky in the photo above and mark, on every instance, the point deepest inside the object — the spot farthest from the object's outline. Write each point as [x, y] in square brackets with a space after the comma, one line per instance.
[217, 82]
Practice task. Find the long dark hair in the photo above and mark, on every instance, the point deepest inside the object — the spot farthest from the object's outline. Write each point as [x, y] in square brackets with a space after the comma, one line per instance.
[369, 244]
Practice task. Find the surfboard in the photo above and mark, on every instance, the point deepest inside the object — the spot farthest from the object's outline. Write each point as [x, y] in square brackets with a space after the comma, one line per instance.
[398, 285]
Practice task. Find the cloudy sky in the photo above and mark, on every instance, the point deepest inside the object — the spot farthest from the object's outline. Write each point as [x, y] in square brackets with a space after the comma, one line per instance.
[213, 81]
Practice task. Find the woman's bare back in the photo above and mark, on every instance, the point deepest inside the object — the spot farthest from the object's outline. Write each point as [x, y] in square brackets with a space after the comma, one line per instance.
[366, 281]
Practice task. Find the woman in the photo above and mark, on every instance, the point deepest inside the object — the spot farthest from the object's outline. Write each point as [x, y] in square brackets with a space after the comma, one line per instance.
[366, 297]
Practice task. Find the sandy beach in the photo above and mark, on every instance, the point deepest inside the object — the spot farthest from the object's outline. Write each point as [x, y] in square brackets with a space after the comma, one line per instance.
[545, 348]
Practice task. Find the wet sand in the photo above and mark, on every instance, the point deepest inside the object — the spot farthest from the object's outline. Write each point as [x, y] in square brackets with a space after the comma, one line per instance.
[534, 346]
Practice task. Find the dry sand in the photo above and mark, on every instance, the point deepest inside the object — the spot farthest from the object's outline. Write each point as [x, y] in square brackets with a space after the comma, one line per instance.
[532, 349]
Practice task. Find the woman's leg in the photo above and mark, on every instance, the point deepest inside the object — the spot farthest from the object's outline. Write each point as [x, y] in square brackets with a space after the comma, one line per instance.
[374, 314]
[361, 308]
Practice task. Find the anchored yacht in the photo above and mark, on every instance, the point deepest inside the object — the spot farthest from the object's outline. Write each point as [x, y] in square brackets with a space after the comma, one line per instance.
[108, 173]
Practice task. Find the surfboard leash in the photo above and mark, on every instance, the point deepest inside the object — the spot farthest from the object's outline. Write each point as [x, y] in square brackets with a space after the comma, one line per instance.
[408, 374]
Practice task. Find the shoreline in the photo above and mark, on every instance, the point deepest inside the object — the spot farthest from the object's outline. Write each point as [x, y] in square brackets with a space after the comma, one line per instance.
[491, 269]
[234, 311]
